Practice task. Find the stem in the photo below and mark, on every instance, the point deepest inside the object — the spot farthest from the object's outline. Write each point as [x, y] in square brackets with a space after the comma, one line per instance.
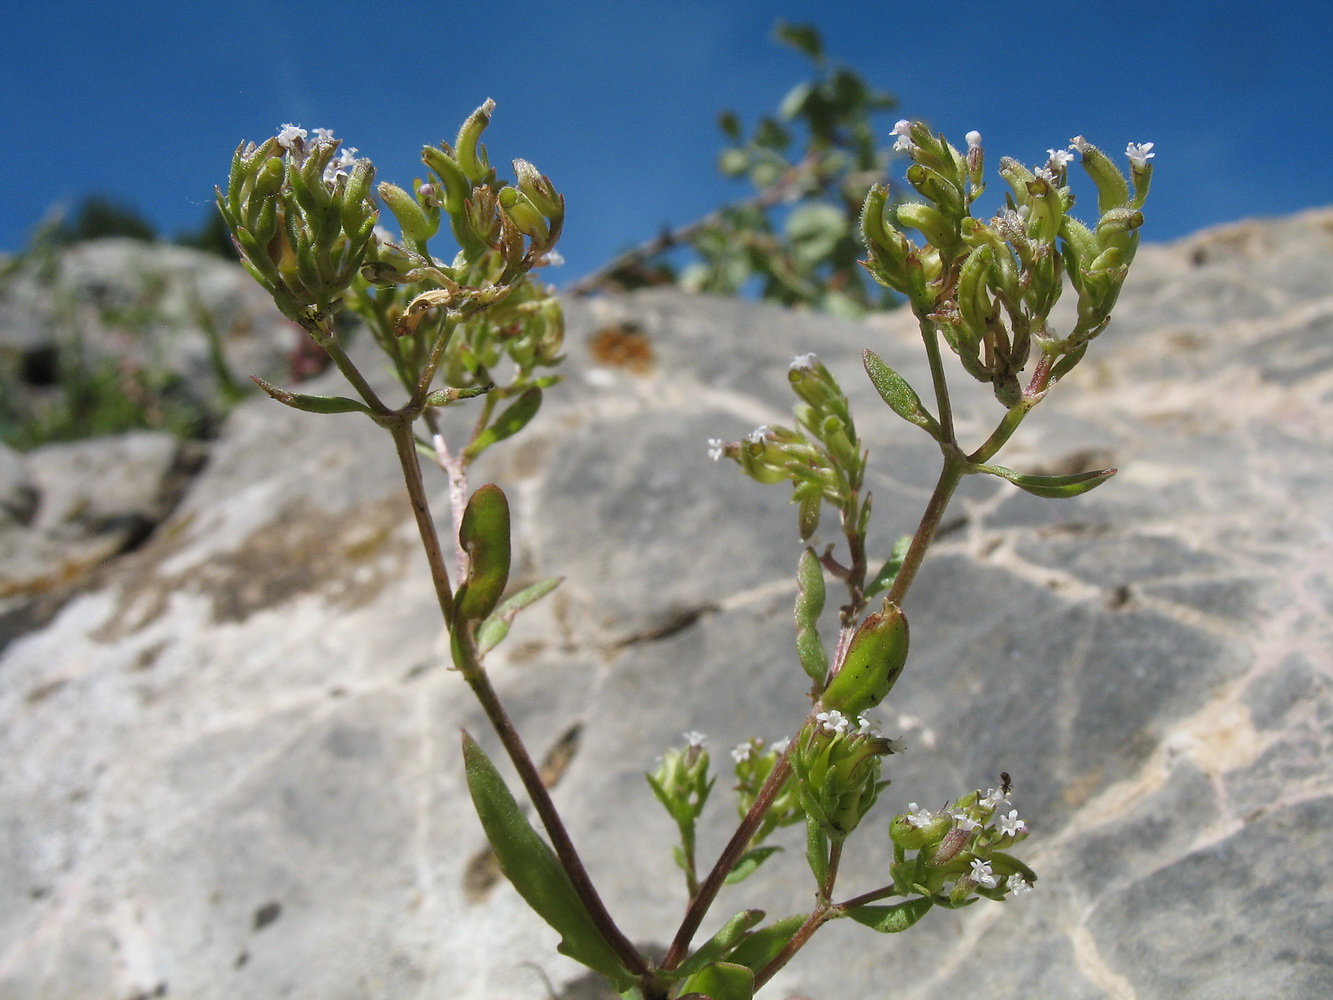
[950, 476]
[555, 828]
[406, 444]
[476, 677]
[322, 332]
[930, 337]
[821, 914]
[726, 861]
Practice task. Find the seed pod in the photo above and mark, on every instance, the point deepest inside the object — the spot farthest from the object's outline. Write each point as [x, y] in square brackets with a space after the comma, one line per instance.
[874, 660]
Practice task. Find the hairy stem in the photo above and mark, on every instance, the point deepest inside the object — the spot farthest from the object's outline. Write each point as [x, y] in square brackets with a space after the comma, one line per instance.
[950, 476]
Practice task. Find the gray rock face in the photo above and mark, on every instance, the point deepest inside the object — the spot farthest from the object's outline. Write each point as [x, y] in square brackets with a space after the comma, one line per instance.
[233, 763]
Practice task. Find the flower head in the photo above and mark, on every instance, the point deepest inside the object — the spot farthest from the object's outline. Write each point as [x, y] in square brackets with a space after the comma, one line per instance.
[1059, 158]
[695, 739]
[973, 139]
[903, 130]
[833, 721]
[918, 817]
[289, 136]
[1010, 825]
[982, 874]
[1139, 154]
[742, 752]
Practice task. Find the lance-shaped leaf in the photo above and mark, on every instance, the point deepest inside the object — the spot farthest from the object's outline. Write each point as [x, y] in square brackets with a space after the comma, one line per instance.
[1054, 487]
[530, 864]
[717, 947]
[892, 919]
[495, 628]
[900, 396]
[762, 946]
[809, 606]
[311, 404]
[749, 863]
[484, 535]
[721, 981]
[883, 580]
[512, 420]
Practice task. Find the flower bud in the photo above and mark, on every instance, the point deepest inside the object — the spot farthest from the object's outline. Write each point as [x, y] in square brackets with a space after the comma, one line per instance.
[468, 151]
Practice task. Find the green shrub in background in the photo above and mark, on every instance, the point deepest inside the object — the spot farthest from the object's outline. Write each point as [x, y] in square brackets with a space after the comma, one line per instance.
[796, 241]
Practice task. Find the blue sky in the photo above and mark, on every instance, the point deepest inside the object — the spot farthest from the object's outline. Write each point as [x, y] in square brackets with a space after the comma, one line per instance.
[617, 102]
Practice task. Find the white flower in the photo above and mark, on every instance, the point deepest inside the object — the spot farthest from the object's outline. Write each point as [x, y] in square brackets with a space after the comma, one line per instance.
[323, 133]
[918, 817]
[742, 752]
[832, 722]
[973, 139]
[716, 449]
[1059, 158]
[1079, 144]
[992, 798]
[903, 130]
[340, 167]
[289, 135]
[965, 822]
[804, 362]
[552, 258]
[982, 874]
[1139, 154]
[1019, 885]
[1010, 825]
[781, 745]
[1046, 174]
[865, 727]
[757, 435]
[695, 739]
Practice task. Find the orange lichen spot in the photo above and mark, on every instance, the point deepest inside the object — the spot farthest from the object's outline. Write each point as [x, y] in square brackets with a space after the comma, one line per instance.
[622, 346]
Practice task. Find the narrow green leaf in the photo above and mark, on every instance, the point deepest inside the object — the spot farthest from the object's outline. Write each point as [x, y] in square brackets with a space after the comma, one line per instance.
[311, 404]
[510, 421]
[892, 919]
[809, 606]
[883, 580]
[900, 396]
[761, 946]
[535, 871]
[716, 947]
[816, 846]
[1054, 487]
[803, 38]
[721, 981]
[749, 863]
[494, 630]
[484, 535]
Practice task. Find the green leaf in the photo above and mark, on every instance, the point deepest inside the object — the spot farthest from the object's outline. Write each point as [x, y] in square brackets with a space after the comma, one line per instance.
[892, 919]
[816, 845]
[804, 38]
[484, 535]
[495, 628]
[721, 981]
[809, 606]
[883, 580]
[311, 404]
[761, 947]
[1053, 487]
[900, 396]
[716, 947]
[749, 863]
[535, 871]
[510, 421]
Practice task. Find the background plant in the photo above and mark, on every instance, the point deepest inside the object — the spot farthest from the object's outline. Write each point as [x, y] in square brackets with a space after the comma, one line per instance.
[479, 330]
[795, 241]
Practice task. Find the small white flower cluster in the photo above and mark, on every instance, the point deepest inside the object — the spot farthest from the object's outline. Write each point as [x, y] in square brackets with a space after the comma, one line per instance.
[746, 751]
[695, 739]
[804, 362]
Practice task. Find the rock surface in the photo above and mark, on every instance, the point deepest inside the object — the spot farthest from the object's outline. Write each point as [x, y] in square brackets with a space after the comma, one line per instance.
[233, 763]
